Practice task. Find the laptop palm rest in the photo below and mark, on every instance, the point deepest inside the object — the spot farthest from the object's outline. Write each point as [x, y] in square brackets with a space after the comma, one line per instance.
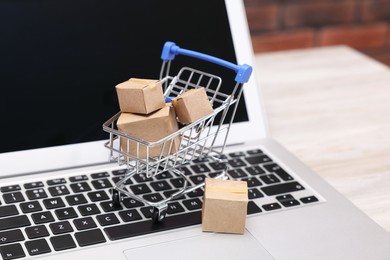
[205, 246]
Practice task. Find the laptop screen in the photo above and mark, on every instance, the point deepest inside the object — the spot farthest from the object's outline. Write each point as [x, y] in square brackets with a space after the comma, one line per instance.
[61, 59]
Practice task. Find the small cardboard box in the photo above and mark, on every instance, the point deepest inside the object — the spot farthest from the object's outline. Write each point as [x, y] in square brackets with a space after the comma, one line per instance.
[224, 206]
[142, 96]
[151, 128]
[192, 105]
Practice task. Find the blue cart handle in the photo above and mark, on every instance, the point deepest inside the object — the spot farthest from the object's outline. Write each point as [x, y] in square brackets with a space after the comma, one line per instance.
[170, 49]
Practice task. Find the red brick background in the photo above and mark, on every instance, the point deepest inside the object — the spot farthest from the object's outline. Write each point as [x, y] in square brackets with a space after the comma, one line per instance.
[292, 24]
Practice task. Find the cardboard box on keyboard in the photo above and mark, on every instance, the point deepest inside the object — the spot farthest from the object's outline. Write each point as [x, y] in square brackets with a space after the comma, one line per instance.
[224, 206]
[152, 127]
[141, 96]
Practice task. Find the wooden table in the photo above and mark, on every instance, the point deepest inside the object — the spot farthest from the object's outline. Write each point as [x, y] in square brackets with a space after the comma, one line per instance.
[331, 108]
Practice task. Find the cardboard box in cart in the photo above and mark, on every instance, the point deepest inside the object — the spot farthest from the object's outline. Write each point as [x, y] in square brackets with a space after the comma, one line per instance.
[151, 128]
[192, 105]
[142, 96]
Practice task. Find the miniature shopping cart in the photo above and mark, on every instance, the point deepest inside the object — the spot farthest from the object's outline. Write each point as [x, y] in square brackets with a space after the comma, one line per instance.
[203, 139]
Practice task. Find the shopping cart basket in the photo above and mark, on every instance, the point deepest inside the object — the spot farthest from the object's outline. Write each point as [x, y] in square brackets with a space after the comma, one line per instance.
[197, 141]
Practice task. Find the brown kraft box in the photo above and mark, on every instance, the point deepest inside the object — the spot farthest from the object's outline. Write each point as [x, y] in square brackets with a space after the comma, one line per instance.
[192, 105]
[151, 128]
[224, 206]
[142, 96]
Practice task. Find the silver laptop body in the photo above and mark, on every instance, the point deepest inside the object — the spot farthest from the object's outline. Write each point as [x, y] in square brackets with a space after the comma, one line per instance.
[330, 228]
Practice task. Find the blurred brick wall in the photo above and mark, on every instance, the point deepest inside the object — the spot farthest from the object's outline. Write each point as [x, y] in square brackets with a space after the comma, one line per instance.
[291, 24]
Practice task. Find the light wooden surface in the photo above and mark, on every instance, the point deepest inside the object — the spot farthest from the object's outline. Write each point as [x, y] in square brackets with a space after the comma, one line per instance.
[331, 107]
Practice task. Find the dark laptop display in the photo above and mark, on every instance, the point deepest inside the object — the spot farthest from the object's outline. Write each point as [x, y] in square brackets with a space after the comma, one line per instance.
[60, 61]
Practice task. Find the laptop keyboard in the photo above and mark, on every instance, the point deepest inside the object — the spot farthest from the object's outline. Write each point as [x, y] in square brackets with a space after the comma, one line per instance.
[42, 217]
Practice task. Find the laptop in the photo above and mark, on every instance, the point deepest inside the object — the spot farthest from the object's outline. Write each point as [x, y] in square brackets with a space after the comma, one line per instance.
[60, 61]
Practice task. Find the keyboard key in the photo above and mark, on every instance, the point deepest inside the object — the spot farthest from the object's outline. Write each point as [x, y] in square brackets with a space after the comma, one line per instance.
[11, 236]
[200, 168]
[100, 175]
[132, 203]
[235, 163]
[63, 242]
[258, 159]
[107, 219]
[177, 182]
[76, 199]
[254, 194]
[56, 181]
[218, 166]
[53, 203]
[100, 195]
[36, 194]
[192, 204]
[66, 213]
[61, 227]
[196, 193]
[84, 223]
[269, 179]
[90, 237]
[197, 179]
[10, 188]
[108, 206]
[271, 206]
[252, 208]
[42, 217]
[80, 187]
[140, 189]
[31, 206]
[36, 231]
[252, 182]
[119, 172]
[174, 207]
[147, 211]
[185, 170]
[58, 190]
[282, 188]
[33, 185]
[129, 215]
[161, 185]
[309, 199]
[163, 175]
[169, 193]
[290, 203]
[12, 251]
[200, 160]
[279, 171]
[287, 200]
[237, 173]
[254, 170]
[254, 151]
[140, 178]
[13, 197]
[101, 184]
[78, 178]
[14, 222]
[8, 210]
[154, 197]
[37, 247]
[236, 154]
[89, 209]
[118, 178]
[147, 227]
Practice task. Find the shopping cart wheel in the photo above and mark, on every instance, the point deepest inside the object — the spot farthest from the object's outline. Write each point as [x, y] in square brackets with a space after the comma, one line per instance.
[116, 197]
[159, 213]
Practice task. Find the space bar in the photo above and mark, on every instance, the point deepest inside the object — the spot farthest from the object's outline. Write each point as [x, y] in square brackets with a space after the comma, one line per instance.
[148, 226]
